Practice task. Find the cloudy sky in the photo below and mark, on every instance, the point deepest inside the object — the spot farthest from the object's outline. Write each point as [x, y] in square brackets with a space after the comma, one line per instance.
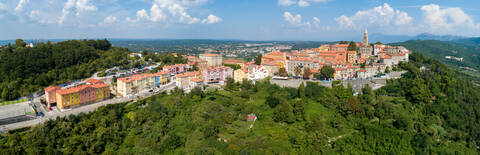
[235, 19]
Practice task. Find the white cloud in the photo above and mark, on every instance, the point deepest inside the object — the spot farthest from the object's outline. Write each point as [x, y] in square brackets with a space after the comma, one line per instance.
[381, 16]
[79, 6]
[293, 20]
[20, 5]
[211, 19]
[162, 9]
[109, 20]
[40, 17]
[301, 3]
[441, 19]
[286, 2]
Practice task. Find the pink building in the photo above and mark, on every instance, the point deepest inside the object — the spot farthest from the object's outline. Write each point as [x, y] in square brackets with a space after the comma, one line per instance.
[217, 74]
[176, 69]
[50, 93]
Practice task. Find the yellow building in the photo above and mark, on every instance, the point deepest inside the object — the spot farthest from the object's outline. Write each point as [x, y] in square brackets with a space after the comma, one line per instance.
[81, 95]
[135, 83]
[240, 74]
[352, 57]
[184, 80]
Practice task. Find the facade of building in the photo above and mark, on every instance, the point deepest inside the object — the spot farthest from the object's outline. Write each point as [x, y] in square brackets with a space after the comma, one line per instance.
[302, 62]
[50, 95]
[217, 74]
[176, 69]
[82, 95]
[136, 83]
[184, 81]
[212, 59]
[352, 57]
[240, 74]
[257, 72]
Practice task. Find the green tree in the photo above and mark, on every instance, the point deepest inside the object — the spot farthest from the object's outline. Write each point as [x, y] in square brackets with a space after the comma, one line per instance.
[352, 46]
[297, 70]
[326, 72]
[272, 101]
[258, 59]
[284, 113]
[307, 73]
[20, 43]
[282, 72]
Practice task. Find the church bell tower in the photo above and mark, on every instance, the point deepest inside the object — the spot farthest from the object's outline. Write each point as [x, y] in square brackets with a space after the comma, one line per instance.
[365, 37]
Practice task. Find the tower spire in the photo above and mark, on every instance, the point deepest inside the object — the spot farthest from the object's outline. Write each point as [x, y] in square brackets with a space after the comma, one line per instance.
[365, 37]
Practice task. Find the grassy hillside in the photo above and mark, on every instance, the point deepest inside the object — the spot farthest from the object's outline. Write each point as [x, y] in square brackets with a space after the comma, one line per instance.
[428, 111]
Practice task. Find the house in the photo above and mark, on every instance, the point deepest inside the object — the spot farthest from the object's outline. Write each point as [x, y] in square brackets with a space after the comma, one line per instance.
[212, 59]
[184, 80]
[217, 74]
[240, 74]
[257, 72]
[352, 57]
[387, 60]
[251, 117]
[241, 63]
[175, 69]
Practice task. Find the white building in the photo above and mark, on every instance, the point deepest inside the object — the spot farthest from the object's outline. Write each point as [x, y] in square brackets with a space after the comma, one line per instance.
[257, 72]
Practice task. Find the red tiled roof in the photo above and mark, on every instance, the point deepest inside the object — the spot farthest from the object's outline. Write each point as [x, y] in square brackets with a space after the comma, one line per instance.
[362, 70]
[209, 54]
[302, 59]
[80, 88]
[386, 57]
[52, 88]
[197, 80]
[94, 81]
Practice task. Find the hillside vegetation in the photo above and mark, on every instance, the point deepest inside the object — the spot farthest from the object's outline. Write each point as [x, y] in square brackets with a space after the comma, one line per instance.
[468, 49]
[430, 111]
[25, 70]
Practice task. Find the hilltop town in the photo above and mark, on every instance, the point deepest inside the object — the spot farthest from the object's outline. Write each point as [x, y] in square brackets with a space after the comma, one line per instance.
[346, 60]
[352, 61]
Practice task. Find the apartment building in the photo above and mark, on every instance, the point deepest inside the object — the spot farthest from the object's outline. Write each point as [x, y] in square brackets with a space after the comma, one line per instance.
[212, 59]
[50, 95]
[217, 74]
[188, 80]
[82, 95]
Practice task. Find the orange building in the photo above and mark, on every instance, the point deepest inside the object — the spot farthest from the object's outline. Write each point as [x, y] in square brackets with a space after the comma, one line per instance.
[82, 95]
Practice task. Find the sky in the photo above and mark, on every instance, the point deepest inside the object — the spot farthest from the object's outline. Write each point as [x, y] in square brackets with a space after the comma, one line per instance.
[317, 20]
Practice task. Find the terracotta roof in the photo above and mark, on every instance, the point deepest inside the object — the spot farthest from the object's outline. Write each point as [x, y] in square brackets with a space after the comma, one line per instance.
[197, 80]
[386, 57]
[274, 53]
[302, 59]
[51, 88]
[362, 70]
[94, 81]
[188, 74]
[209, 54]
[80, 88]
[232, 61]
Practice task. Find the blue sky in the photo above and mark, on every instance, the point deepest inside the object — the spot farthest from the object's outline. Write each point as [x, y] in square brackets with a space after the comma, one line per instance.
[235, 19]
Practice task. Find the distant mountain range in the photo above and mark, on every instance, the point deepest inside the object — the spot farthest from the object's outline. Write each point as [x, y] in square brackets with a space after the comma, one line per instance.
[424, 36]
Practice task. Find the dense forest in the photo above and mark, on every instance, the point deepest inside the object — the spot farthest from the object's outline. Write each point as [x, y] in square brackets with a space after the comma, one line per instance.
[429, 110]
[25, 69]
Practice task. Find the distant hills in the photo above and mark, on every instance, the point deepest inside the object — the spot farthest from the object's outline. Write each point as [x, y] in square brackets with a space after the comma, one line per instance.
[401, 38]
[468, 49]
